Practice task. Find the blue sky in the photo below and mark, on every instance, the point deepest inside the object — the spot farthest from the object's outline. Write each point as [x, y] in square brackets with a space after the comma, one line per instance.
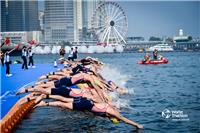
[162, 18]
[157, 18]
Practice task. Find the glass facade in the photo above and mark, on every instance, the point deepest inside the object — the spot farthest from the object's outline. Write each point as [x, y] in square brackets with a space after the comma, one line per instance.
[59, 21]
[3, 16]
[89, 6]
[23, 16]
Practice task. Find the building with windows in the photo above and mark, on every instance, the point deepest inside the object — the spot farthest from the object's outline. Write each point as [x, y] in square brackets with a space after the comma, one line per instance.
[59, 21]
[22, 16]
[88, 8]
[3, 15]
[181, 37]
[68, 21]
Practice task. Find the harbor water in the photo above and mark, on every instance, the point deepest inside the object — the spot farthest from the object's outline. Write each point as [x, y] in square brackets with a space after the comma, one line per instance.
[153, 90]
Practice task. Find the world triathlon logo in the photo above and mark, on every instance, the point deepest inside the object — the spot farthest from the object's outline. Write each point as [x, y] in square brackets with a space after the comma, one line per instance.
[166, 113]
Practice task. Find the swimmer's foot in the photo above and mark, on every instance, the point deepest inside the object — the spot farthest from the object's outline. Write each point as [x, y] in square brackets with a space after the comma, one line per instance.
[24, 90]
[38, 83]
[42, 103]
[39, 98]
[27, 99]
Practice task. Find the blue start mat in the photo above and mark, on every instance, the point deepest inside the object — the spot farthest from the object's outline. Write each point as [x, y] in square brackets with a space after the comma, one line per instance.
[20, 78]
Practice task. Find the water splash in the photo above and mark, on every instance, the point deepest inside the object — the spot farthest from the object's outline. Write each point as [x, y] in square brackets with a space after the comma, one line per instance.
[112, 73]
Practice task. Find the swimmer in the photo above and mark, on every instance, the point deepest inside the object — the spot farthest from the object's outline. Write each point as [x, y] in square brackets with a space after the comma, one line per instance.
[116, 88]
[82, 104]
[64, 91]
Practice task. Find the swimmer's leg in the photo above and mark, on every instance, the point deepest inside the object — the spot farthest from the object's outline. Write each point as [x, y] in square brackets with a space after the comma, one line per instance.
[34, 89]
[61, 98]
[56, 104]
[46, 84]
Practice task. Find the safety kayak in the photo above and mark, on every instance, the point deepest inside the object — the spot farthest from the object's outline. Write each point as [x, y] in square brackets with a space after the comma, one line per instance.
[163, 61]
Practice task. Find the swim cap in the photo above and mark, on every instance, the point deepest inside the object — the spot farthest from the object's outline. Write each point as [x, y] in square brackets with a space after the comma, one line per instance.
[115, 120]
[109, 97]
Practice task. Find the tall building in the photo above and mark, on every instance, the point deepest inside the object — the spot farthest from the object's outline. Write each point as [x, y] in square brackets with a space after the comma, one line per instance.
[78, 20]
[4, 15]
[59, 21]
[68, 20]
[23, 16]
[88, 8]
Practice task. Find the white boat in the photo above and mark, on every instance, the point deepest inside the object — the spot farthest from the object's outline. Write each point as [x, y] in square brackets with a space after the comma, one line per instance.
[161, 47]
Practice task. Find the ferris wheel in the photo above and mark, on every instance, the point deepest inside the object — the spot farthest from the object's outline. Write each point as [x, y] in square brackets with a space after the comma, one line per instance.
[109, 24]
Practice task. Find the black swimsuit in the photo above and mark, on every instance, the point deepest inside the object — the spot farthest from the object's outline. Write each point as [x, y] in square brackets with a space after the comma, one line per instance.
[63, 82]
[62, 91]
[82, 104]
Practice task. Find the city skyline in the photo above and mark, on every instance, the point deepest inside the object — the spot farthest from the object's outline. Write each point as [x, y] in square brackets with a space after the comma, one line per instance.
[158, 18]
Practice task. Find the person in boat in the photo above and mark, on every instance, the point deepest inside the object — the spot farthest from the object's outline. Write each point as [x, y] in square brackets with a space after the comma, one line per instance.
[155, 54]
[146, 58]
[160, 57]
[84, 104]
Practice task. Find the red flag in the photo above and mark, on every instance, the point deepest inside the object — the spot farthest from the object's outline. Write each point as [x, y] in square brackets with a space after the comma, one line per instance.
[7, 41]
[32, 42]
[17, 46]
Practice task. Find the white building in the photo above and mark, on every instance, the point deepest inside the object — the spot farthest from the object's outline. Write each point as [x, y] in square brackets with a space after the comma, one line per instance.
[181, 37]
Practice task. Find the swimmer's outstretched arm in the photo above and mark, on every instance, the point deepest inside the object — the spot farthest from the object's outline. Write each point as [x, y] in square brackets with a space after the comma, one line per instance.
[113, 112]
[124, 119]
